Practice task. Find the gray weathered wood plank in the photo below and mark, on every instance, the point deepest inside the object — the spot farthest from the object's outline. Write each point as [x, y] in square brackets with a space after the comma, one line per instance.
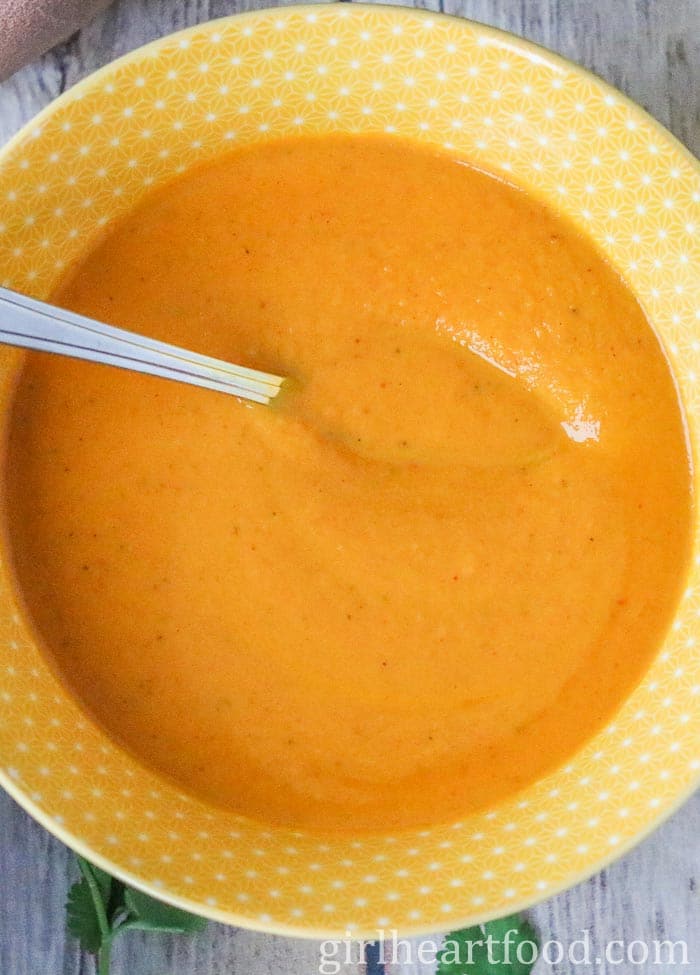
[651, 50]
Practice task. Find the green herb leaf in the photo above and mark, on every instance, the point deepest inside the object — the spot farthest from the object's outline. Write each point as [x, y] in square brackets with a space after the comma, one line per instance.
[99, 908]
[102, 879]
[86, 915]
[82, 921]
[508, 946]
[152, 915]
[116, 908]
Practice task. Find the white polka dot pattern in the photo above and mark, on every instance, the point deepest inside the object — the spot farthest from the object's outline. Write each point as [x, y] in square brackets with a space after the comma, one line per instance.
[505, 105]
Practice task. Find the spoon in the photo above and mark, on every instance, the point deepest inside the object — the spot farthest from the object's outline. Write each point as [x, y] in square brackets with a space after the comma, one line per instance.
[33, 324]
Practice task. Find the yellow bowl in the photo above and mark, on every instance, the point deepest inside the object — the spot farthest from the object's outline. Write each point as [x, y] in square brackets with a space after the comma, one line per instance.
[510, 107]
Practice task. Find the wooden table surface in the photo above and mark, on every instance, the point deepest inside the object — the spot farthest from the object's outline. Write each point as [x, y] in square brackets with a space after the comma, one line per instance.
[651, 50]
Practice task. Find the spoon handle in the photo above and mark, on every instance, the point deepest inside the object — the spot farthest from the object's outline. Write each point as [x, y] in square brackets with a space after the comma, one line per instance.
[33, 324]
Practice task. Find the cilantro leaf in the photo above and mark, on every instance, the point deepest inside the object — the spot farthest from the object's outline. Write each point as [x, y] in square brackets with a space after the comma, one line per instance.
[102, 879]
[507, 946]
[86, 917]
[116, 908]
[99, 908]
[148, 914]
[81, 917]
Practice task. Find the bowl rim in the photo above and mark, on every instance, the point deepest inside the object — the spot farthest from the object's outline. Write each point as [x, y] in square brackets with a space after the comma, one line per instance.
[542, 55]
[517, 42]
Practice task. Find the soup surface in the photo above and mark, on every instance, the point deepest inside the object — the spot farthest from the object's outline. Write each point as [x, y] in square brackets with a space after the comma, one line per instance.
[430, 573]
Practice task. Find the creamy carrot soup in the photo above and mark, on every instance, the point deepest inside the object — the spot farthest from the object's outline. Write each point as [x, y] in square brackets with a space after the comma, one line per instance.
[433, 570]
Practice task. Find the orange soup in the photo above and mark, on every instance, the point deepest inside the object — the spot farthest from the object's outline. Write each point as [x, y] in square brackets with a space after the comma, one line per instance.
[430, 573]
